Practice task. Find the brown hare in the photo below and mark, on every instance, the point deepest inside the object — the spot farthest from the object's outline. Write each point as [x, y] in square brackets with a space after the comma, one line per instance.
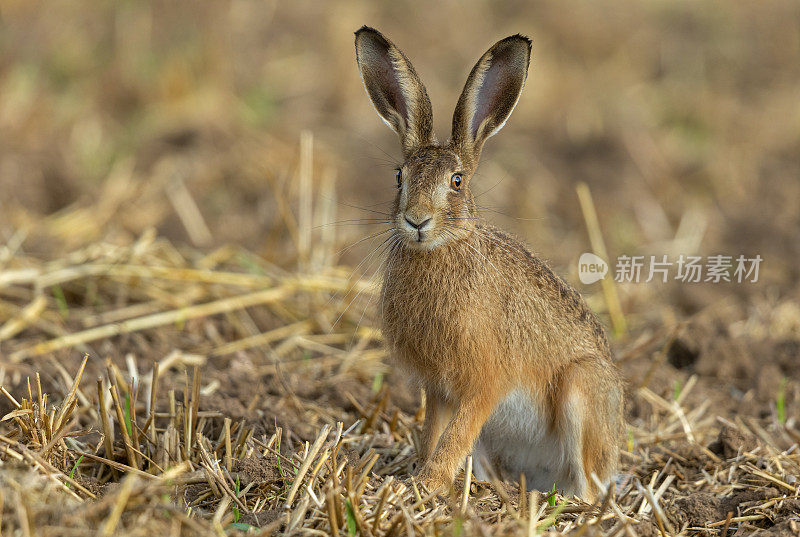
[516, 369]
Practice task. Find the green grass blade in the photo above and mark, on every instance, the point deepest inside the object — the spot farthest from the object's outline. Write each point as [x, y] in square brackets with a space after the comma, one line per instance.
[127, 410]
[780, 402]
[72, 472]
[351, 519]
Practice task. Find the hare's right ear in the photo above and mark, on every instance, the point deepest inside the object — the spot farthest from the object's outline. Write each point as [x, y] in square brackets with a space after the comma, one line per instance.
[395, 89]
[490, 95]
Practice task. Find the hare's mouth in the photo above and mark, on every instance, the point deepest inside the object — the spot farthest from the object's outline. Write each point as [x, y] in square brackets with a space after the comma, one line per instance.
[422, 240]
[419, 233]
[418, 239]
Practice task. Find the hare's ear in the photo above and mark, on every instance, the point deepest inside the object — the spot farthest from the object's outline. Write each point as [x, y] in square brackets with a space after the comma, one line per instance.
[395, 89]
[490, 94]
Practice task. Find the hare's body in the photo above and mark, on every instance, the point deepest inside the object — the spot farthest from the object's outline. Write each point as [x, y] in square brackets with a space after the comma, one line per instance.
[513, 363]
[460, 325]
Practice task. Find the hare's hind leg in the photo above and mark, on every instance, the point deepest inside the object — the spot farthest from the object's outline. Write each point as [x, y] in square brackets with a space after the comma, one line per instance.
[588, 412]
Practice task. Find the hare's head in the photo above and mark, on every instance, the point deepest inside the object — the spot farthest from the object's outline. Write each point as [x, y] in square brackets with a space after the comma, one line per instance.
[434, 204]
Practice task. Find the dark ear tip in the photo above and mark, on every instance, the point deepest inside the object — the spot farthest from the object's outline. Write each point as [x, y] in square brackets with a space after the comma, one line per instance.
[365, 28]
[369, 31]
[524, 38]
[515, 43]
[519, 37]
[515, 40]
[366, 36]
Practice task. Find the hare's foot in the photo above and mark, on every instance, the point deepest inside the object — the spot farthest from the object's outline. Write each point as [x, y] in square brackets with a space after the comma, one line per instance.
[434, 478]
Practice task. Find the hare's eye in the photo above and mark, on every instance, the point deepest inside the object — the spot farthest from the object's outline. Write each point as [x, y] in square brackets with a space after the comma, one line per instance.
[455, 181]
[398, 173]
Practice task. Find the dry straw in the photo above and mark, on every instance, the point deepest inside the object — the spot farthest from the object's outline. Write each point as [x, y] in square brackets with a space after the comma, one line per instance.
[135, 450]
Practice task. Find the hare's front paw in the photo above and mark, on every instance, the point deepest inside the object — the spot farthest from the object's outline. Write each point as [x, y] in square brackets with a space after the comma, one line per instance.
[434, 479]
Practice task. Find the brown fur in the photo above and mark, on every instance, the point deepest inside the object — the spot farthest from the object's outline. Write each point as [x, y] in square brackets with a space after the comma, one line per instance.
[467, 310]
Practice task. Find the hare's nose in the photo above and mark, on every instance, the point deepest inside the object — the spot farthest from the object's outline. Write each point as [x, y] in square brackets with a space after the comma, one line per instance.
[420, 223]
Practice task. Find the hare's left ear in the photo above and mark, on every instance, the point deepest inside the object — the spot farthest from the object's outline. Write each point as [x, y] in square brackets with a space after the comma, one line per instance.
[490, 95]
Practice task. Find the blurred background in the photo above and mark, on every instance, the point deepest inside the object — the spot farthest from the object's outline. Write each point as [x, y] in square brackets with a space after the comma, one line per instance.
[185, 183]
[199, 121]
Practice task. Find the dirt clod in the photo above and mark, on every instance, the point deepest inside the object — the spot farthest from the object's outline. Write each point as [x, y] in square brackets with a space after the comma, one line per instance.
[681, 354]
[256, 470]
[696, 509]
[786, 528]
[732, 441]
[736, 503]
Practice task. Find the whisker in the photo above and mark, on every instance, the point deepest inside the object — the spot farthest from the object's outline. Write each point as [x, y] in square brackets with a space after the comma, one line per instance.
[392, 159]
[493, 186]
[390, 260]
[388, 215]
[378, 234]
[388, 162]
[459, 218]
[387, 202]
[334, 295]
[396, 244]
[361, 290]
[490, 209]
[500, 244]
[492, 239]
[479, 253]
[355, 222]
[371, 254]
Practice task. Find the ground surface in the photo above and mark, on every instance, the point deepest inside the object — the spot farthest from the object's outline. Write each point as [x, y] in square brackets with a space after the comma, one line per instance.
[173, 191]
